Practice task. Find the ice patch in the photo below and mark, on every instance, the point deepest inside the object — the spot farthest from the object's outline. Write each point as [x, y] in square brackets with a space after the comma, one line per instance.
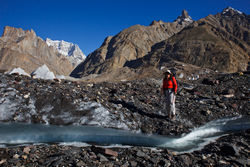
[193, 77]
[60, 77]
[100, 116]
[14, 106]
[66, 117]
[7, 109]
[43, 72]
[76, 144]
[8, 104]
[46, 109]
[19, 71]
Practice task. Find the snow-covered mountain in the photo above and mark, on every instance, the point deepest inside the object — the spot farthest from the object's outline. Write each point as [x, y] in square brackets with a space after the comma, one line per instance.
[69, 50]
[228, 9]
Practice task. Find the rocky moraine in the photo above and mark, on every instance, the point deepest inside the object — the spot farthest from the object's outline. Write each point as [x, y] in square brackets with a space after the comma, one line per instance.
[130, 105]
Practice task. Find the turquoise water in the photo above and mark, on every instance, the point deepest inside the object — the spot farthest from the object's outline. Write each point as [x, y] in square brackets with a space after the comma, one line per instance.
[20, 133]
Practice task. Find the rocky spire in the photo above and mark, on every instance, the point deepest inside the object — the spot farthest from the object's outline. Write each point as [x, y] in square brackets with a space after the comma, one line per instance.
[184, 18]
[159, 22]
[11, 31]
[184, 14]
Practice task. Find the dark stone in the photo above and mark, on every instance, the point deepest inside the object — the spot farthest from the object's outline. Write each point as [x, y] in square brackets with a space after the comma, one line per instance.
[227, 150]
[208, 81]
[228, 91]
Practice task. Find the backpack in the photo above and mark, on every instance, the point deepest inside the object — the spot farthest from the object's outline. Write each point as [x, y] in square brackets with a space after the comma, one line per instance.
[174, 75]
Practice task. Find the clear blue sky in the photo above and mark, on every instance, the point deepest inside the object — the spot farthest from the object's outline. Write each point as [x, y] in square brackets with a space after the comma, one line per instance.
[88, 22]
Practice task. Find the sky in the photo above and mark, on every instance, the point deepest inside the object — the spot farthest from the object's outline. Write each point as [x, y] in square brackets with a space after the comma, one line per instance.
[88, 22]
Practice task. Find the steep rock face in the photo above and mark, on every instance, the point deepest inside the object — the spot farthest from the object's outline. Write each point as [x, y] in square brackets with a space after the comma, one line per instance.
[130, 44]
[69, 50]
[220, 42]
[19, 48]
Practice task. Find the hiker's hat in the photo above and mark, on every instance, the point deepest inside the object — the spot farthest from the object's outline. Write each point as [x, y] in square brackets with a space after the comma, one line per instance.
[167, 72]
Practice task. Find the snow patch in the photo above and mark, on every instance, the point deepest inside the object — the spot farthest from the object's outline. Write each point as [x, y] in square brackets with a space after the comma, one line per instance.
[189, 19]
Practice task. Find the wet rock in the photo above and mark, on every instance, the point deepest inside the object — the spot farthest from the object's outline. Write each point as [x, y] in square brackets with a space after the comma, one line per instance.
[228, 150]
[133, 163]
[26, 150]
[222, 105]
[228, 91]
[243, 162]
[16, 156]
[206, 112]
[2, 161]
[208, 81]
[102, 158]
[140, 154]
[80, 164]
[105, 151]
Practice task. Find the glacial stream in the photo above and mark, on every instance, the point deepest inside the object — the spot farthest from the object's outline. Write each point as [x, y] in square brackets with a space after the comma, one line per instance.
[13, 134]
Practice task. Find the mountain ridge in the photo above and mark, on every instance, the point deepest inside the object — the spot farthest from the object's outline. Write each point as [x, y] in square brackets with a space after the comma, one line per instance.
[218, 42]
[130, 44]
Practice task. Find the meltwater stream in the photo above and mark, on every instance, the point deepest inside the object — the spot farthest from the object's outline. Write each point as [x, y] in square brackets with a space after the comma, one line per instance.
[19, 133]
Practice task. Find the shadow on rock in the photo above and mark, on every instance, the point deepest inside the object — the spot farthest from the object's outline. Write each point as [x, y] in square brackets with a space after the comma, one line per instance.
[130, 106]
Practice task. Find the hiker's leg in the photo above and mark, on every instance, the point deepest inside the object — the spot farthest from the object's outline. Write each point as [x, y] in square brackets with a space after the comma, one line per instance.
[172, 104]
[167, 102]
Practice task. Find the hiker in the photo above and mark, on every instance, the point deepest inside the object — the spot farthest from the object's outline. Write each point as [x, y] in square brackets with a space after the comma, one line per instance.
[169, 90]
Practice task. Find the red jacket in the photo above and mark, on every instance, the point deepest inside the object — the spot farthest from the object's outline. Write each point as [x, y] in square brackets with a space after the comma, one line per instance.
[169, 84]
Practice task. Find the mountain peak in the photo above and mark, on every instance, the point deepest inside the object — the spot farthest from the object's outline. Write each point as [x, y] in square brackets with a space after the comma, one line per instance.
[230, 11]
[184, 14]
[157, 22]
[69, 50]
[11, 31]
[184, 18]
[17, 32]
